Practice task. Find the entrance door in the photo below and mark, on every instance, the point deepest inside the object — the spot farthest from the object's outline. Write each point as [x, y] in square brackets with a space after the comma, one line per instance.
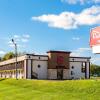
[59, 74]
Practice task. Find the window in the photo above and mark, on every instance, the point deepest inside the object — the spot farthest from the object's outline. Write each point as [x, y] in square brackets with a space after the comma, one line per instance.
[72, 77]
[72, 67]
[72, 73]
[83, 63]
[73, 59]
[83, 67]
[39, 57]
[39, 66]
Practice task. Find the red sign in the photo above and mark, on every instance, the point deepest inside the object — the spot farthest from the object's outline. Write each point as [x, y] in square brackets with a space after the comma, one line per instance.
[95, 36]
[60, 59]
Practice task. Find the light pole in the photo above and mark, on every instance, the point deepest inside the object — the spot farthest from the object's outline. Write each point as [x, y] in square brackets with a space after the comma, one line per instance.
[15, 56]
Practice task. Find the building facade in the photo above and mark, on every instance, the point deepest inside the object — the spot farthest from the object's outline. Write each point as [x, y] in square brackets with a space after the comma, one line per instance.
[56, 65]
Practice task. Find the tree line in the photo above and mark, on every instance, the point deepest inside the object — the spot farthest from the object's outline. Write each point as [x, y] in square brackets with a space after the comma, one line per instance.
[10, 55]
[95, 70]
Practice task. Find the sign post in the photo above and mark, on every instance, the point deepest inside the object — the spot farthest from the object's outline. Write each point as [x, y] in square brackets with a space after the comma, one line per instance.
[95, 40]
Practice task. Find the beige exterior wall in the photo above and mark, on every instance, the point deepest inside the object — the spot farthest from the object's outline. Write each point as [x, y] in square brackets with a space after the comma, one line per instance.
[52, 73]
[40, 71]
[77, 70]
[66, 74]
[77, 74]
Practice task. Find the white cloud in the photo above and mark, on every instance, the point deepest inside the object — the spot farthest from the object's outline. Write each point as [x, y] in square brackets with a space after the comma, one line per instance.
[21, 40]
[64, 20]
[89, 16]
[18, 45]
[84, 49]
[76, 38]
[70, 1]
[16, 36]
[26, 36]
[81, 1]
[80, 51]
[24, 40]
[2, 52]
[70, 20]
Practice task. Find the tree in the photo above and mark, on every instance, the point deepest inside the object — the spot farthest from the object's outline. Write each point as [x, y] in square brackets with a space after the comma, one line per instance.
[0, 58]
[95, 69]
[8, 55]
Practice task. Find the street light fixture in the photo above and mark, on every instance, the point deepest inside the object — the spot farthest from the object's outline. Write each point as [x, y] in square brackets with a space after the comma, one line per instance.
[15, 56]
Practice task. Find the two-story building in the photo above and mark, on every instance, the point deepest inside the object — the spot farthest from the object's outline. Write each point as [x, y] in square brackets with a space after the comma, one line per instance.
[55, 65]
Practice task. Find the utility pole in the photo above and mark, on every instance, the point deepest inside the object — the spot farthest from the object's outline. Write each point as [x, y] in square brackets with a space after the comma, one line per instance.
[15, 44]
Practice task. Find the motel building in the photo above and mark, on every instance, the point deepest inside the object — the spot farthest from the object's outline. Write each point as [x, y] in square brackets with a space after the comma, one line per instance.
[55, 65]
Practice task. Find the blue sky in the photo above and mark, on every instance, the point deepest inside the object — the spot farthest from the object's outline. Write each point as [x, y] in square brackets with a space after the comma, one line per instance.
[41, 25]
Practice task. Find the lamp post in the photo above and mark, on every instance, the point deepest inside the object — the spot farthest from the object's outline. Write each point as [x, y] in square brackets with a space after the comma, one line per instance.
[15, 56]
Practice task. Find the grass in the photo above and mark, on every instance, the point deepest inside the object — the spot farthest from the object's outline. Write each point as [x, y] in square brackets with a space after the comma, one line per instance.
[11, 89]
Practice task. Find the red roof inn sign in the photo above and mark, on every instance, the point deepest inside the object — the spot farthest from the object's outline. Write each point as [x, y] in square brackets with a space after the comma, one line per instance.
[95, 39]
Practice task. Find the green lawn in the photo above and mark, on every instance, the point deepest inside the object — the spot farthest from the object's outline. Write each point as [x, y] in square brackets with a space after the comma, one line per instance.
[11, 89]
